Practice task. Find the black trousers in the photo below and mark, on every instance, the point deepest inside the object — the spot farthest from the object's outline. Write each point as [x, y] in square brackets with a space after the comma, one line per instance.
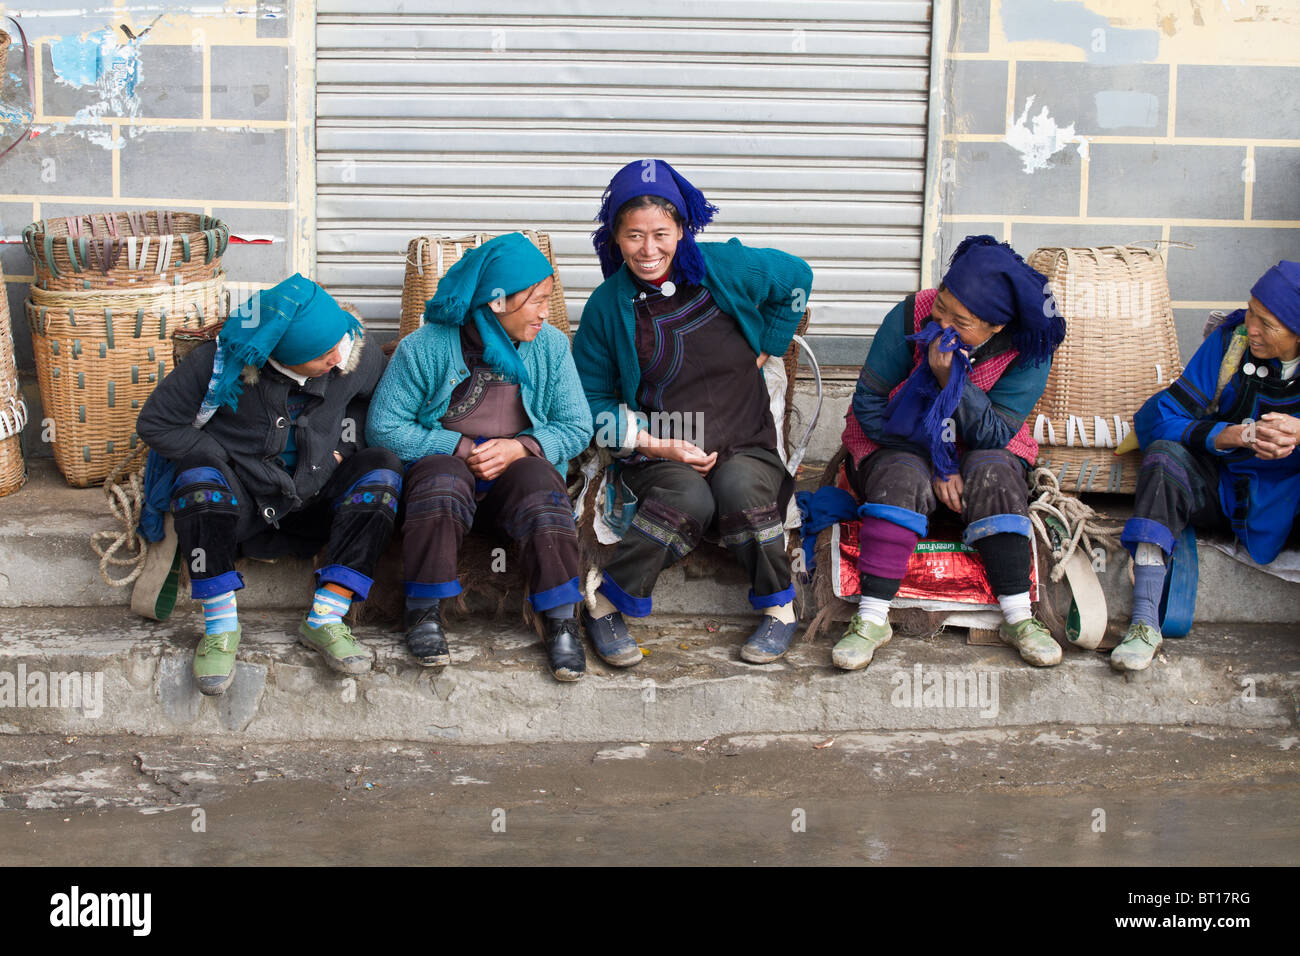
[995, 509]
[677, 506]
[1176, 487]
[353, 517]
[527, 503]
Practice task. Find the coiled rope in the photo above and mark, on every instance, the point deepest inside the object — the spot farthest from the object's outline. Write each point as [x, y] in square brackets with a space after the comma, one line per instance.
[124, 489]
[1082, 524]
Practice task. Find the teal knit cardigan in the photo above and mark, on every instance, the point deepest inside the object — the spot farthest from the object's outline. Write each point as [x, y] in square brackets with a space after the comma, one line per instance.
[765, 290]
[416, 390]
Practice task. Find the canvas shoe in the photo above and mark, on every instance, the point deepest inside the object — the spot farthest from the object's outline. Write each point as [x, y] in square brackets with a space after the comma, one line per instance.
[1134, 653]
[1032, 639]
[336, 644]
[860, 643]
[214, 661]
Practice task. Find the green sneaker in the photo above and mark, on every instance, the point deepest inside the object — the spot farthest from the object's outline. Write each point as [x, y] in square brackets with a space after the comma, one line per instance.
[1032, 639]
[337, 645]
[1138, 647]
[859, 643]
[214, 661]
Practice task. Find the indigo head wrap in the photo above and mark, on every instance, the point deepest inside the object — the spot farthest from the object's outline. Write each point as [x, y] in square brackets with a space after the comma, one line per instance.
[293, 322]
[654, 177]
[991, 280]
[500, 267]
[1279, 290]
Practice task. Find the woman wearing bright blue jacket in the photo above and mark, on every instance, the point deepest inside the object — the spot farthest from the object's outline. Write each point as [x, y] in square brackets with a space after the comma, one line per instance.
[1219, 450]
[670, 352]
[483, 405]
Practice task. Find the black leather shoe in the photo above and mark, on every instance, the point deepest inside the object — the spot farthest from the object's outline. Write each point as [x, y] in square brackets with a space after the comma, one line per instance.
[564, 648]
[425, 636]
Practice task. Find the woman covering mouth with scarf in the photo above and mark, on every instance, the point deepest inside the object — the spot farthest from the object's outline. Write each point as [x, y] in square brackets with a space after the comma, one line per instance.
[670, 351]
[939, 415]
[484, 406]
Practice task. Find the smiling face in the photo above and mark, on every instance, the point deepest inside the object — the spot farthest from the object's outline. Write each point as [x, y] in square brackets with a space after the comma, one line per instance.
[951, 314]
[1268, 337]
[522, 314]
[648, 237]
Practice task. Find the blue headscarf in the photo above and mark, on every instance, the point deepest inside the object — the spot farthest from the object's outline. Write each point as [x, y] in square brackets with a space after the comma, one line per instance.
[654, 177]
[293, 322]
[991, 280]
[500, 267]
[1279, 290]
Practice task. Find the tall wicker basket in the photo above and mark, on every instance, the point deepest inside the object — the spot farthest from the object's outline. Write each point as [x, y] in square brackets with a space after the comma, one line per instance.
[99, 355]
[5, 42]
[125, 249]
[1120, 347]
[429, 257]
[13, 411]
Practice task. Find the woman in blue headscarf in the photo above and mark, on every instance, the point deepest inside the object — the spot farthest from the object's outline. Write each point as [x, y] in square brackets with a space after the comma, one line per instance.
[1219, 450]
[484, 406]
[670, 351]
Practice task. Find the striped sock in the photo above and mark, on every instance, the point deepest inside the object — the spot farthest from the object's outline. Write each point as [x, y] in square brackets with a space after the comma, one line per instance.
[220, 613]
[328, 606]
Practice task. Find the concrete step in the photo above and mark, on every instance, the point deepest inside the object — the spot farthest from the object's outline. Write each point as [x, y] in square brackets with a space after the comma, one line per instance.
[46, 561]
[135, 678]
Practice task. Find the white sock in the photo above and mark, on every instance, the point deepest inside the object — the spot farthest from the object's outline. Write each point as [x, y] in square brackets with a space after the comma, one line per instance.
[599, 605]
[1015, 607]
[874, 610]
[782, 612]
[1149, 554]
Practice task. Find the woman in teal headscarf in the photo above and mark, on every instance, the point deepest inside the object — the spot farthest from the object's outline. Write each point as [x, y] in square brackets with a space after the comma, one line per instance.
[484, 406]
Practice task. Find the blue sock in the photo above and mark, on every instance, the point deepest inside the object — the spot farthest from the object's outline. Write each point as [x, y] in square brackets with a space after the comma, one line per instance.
[327, 607]
[220, 613]
[1148, 583]
[561, 611]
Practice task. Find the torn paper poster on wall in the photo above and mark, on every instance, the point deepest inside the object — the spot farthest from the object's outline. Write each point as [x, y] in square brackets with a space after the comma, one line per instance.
[97, 60]
[1039, 139]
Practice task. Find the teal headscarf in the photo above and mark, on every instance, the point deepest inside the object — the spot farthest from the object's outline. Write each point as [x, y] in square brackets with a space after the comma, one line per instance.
[500, 267]
[293, 322]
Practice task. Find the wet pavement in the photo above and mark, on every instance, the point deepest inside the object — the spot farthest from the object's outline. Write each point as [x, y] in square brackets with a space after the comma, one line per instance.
[1053, 795]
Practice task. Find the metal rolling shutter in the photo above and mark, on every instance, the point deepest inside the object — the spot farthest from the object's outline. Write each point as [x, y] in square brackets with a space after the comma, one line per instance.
[804, 122]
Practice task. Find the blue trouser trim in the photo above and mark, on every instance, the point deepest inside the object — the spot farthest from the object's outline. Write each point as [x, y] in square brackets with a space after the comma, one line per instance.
[354, 581]
[202, 588]
[379, 476]
[441, 589]
[635, 606]
[911, 520]
[566, 593]
[192, 476]
[1145, 530]
[761, 601]
[996, 524]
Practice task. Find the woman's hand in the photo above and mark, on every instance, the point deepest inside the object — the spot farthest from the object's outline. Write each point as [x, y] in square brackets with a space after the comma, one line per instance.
[762, 357]
[488, 460]
[677, 449]
[940, 362]
[1276, 435]
[948, 491]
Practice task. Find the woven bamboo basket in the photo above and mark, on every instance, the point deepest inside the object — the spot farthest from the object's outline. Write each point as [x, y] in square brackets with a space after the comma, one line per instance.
[13, 410]
[125, 249]
[429, 257]
[1120, 347]
[99, 355]
[5, 42]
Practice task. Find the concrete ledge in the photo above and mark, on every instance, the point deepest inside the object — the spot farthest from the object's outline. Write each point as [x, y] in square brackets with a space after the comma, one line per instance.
[691, 686]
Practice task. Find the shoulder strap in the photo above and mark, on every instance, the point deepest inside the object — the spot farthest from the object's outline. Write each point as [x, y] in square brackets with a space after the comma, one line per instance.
[1237, 346]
